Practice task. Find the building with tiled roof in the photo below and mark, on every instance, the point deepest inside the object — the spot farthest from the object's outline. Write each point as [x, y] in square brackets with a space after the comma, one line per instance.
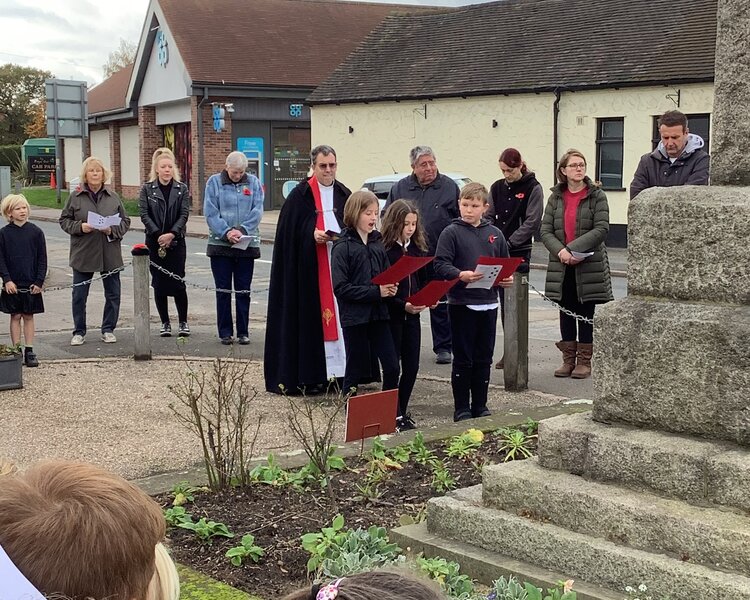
[538, 75]
[257, 61]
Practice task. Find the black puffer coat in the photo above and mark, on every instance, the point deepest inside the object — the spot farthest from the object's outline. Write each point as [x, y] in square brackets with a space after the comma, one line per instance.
[592, 225]
[353, 265]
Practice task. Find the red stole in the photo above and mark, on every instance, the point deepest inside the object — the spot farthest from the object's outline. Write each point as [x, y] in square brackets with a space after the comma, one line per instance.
[325, 287]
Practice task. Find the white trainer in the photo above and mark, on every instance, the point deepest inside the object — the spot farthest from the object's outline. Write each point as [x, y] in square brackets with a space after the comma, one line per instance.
[77, 340]
[109, 338]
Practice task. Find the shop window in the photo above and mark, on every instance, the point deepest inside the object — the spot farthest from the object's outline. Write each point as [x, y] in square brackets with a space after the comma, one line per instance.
[700, 124]
[609, 144]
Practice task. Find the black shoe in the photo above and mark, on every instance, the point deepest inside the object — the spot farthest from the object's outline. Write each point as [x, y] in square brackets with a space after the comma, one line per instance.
[243, 340]
[30, 360]
[184, 330]
[405, 423]
[227, 341]
[443, 358]
[481, 412]
[166, 330]
[461, 416]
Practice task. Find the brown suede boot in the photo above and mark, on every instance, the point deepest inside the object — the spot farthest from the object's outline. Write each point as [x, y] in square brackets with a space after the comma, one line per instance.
[568, 350]
[583, 362]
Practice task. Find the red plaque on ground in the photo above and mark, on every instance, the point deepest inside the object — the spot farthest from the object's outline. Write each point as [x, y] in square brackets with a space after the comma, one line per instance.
[369, 415]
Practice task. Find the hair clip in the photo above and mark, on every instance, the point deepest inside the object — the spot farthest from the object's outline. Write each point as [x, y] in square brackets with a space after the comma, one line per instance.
[330, 591]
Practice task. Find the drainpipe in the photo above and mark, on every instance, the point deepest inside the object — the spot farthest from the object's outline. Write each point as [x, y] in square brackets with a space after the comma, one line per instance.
[201, 164]
[555, 120]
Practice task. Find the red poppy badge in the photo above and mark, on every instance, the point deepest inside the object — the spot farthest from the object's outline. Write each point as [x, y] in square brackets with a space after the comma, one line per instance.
[492, 239]
[246, 191]
[520, 195]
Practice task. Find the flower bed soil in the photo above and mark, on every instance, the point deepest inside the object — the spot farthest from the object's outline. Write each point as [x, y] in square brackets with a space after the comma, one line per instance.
[279, 516]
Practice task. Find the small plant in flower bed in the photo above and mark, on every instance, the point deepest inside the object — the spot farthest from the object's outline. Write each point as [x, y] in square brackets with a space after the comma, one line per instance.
[379, 490]
[246, 549]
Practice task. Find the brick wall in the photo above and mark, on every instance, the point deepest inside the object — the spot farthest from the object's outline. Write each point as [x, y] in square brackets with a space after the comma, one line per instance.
[216, 146]
[150, 137]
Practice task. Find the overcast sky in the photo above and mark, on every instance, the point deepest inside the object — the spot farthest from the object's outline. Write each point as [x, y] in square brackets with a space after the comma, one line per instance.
[73, 38]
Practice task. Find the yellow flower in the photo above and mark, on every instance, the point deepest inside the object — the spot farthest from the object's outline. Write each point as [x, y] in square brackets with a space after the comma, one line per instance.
[475, 435]
[567, 586]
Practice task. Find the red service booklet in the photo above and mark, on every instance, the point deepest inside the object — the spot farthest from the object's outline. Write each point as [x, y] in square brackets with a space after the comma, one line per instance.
[432, 292]
[369, 415]
[401, 269]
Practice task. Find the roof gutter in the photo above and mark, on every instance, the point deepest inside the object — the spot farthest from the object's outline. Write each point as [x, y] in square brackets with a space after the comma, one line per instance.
[508, 92]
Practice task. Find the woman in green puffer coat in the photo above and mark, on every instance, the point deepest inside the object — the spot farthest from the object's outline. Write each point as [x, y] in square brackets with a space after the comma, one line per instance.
[574, 227]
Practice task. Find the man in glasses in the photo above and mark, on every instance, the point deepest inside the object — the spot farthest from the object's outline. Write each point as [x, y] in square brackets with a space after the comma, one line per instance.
[436, 198]
[677, 160]
[304, 343]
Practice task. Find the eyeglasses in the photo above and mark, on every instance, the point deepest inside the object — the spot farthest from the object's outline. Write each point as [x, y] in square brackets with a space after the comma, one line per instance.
[576, 166]
[325, 166]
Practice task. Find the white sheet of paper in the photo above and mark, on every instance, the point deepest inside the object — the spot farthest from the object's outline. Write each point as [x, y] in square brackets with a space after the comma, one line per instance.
[244, 242]
[490, 273]
[581, 255]
[98, 221]
[14, 585]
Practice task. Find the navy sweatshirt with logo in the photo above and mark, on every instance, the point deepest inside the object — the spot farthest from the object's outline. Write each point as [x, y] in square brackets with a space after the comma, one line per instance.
[459, 248]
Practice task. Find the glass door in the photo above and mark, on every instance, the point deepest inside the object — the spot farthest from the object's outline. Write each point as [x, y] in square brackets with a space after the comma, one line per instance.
[291, 161]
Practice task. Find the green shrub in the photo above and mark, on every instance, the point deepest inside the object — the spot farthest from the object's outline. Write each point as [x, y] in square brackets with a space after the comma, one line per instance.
[10, 156]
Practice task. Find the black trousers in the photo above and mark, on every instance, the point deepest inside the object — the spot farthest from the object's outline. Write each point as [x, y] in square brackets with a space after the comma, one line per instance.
[473, 334]
[407, 339]
[572, 330]
[440, 324]
[359, 341]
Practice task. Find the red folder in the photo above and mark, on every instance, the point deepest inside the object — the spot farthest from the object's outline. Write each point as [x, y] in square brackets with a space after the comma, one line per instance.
[369, 415]
[432, 292]
[401, 269]
[509, 265]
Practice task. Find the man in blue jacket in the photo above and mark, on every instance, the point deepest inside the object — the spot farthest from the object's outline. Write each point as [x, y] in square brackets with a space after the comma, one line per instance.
[436, 198]
[677, 160]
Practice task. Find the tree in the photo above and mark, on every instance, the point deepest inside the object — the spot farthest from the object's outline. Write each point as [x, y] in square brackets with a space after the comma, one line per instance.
[37, 127]
[21, 96]
[120, 58]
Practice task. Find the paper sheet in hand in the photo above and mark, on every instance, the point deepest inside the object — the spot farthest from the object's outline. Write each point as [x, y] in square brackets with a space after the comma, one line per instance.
[581, 255]
[401, 269]
[369, 415]
[98, 221]
[432, 292]
[494, 270]
[14, 586]
[244, 242]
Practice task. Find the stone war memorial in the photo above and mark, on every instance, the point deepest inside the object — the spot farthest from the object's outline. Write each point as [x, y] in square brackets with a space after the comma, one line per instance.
[653, 486]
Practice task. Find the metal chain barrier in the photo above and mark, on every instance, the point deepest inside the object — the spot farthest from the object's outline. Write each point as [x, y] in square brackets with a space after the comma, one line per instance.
[570, 313]
[202, 287]
[56, 288]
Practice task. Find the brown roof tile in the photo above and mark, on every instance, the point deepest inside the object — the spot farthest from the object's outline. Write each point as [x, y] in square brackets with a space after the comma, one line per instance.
[110, 93]
[522, 45]
[269, 42]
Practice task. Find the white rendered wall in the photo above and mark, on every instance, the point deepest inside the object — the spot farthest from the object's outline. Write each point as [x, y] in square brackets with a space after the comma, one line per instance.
[129, 159]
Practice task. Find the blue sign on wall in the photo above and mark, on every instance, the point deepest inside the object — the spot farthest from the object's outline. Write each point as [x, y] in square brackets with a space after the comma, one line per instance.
[218, 115]
[252, 147]
[295, 111]
[162, 52]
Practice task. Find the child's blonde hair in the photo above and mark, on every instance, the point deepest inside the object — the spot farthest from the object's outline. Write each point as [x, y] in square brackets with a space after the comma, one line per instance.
[11, 202]
[475, 190]
[393, 225]
[356, 205]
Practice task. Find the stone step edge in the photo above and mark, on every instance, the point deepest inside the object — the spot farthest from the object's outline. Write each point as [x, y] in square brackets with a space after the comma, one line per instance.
[557, 484]
[468, 502]
[581, 429]
[485, 566]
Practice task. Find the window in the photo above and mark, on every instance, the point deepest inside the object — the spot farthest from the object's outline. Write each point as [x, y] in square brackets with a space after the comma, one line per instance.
[700, 124]
[609, 152]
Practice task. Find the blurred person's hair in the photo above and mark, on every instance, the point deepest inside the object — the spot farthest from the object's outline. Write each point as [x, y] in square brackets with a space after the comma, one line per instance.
[671, 118]
[92, 161]
[474, 191]
[512, 158]
[11, 202]
[75, 530]
[418, 152]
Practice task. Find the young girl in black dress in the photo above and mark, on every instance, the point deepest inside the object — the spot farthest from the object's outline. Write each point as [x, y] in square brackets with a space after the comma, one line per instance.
[23, 268]
[403, 234]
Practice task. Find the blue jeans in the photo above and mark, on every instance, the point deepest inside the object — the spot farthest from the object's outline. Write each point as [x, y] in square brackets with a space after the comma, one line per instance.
[111, 285]
[225, 270]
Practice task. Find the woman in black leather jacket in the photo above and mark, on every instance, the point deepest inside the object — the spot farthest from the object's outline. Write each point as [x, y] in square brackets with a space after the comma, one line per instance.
[164, 207]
